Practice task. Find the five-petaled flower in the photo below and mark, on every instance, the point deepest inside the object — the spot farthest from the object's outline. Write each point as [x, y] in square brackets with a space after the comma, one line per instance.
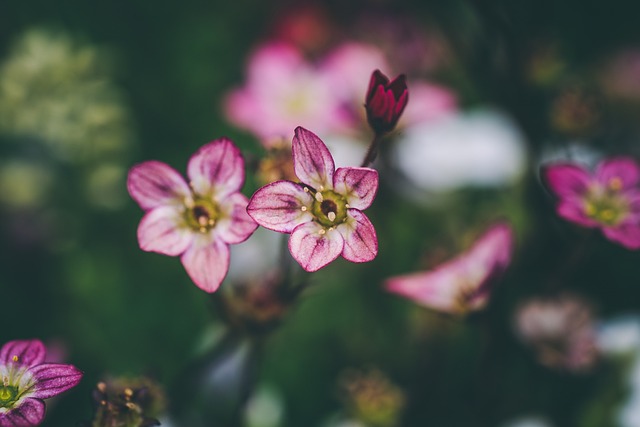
[608, 198]
[26, 380]
[385, 101]
[199, 220]
[464, 283]
[323, 213]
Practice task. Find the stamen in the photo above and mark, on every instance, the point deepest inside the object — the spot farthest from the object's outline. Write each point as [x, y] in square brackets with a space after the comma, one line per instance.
[14, 358]
[211, 222]
[128, 392]
[322, 231]
[303, 209]
[5, 381]
[615, 183]
[203, 220]
[319, 197]
[589, 209]
[346, 205]
[331, 216]
[306, 189]
[102, 387]
[608, 214]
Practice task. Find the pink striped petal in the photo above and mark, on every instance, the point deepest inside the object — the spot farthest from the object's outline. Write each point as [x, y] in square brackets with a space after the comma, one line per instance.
[217, 168]
[627, 235]
[23, 352]
[572, 209]
[236, 225]
[566, 180]
[154, 184]
[624, 169]
[358, 185]
[314, 247]
[360, 240]
[28, 413]
[278, 206]
[312, 160]
[162, 230]
[53, 378]
[207, 264]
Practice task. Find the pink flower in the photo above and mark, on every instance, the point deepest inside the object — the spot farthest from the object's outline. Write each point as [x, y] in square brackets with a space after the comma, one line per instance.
[464, 283]
[608, 198]
[199, 220]
[27, 380]
[323, 213]
[385, 101]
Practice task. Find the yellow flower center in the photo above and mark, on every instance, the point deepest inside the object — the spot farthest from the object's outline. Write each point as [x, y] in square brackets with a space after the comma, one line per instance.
[606, 205]
[329, 208]
[202, 215]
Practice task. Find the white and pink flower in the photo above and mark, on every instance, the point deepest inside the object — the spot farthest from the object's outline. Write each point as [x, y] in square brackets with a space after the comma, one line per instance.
[323, 213]
[197, 220]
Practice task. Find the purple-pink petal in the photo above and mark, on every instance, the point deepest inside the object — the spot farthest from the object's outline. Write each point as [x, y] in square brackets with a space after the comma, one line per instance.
[313, 246]
[566, 180]
[279, 206]
[360, 240]
[358, 185]
[162, 230]
[154, 184]
[23, 352]
[624, 169]
[53, 378]
[312, 160]
[235, 226]
[626, 234]
[218, 168]
[28, 413]
[207, 263]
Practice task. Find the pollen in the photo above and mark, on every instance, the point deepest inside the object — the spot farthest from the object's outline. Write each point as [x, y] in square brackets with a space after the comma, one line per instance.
[306, 189]
[203, 221]
[615, 183]
[346, 205]
[15, 358]
[331, 216]
[303, 208]
[322, 231]
[319, 197]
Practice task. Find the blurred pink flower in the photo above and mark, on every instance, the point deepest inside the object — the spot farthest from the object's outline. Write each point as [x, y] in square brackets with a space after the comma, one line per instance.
[560, 329]
[385, 101]
[282, 91]
[27, 380]
[608, 198]
[196, 220]
[464, 283]
[428, 102]
[323, 213]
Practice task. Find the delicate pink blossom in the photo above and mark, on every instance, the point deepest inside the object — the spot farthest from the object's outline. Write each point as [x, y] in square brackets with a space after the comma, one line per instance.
[323, 213]
[197, 220]
[27, 380]
[464, 283]
[385, 101]
[608, 198]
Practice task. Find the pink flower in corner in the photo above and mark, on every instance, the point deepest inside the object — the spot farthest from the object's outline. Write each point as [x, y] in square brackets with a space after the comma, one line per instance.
[608, 198]
[27, 380]
[199, 220]
[464, 283]
[323, 213]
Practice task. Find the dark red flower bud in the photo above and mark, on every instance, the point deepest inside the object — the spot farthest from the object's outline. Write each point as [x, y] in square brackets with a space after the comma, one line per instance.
[385, 101]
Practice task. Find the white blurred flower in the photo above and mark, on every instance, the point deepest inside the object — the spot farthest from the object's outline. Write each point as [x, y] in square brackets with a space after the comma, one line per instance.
[620, 335]
[256, 257]
[264, 408]
[482, 148]
[629, 415]
[346, 151]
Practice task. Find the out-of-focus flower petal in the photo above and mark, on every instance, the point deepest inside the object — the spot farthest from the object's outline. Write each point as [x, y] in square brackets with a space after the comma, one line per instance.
[29, 412]
[358, 185]
[572, 210]
[161, 230]
[217, 168]
[623, 169]
[207, 263]
[278, 206]
[628, 235]
[236, 225]
[428, 102]
[53, 378]
[566, 180]
[360, 240]
[154, 184]
[23, 352]
[312, 160]
[314, 247]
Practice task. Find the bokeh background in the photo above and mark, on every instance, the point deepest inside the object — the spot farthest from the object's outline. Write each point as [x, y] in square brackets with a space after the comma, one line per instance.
[88, 89]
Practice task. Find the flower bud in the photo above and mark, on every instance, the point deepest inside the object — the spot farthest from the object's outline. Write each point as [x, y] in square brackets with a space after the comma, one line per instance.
[385, 101]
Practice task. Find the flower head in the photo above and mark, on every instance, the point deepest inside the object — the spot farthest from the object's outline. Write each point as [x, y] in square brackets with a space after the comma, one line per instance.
[385, 101]
[26, 380]
[323, 213]
[464, 283]
[199, 220]
[608, 198]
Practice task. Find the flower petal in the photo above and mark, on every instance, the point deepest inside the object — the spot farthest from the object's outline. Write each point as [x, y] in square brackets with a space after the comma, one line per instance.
[278, 206]
[312, 160]
[23, 352]
[627, 235]
[313, 246]
[53, 378]
[360, 240]
[162, 230]
[154, 184]
[624, 169]
[236, 225]
[565, 179]
[358, 185]
[218, 168]
[207, 264]
[29, 412]
[572, 209]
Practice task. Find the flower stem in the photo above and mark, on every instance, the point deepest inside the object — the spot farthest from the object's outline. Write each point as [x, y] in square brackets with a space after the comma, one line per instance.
[372, 152]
